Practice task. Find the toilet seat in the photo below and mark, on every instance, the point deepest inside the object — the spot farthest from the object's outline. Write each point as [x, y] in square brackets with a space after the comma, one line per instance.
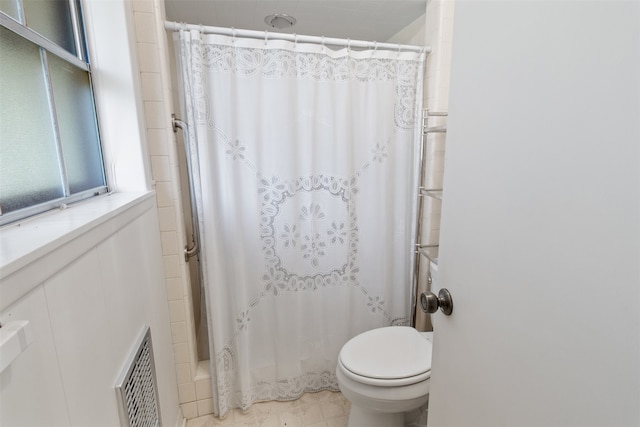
[397, 382]
[387, 357]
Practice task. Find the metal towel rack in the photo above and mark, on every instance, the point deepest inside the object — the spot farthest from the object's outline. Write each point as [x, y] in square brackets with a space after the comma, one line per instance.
[427, 250]
[195, 247]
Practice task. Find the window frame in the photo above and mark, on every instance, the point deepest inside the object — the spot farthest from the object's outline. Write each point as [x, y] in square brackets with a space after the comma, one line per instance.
[81, 61]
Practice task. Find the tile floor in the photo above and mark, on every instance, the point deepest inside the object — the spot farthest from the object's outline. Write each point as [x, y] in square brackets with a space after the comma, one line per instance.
[322, 409]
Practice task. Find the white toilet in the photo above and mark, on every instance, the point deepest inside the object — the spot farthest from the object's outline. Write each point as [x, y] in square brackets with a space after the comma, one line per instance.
[384, 373]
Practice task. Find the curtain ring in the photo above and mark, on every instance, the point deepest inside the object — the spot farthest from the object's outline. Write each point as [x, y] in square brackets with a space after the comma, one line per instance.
[266, 37]
[233, 35]
[349, 45]
[323, 46]
[375, 46]
[295, 40]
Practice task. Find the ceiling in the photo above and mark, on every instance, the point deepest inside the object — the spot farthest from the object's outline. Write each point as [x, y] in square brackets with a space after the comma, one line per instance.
[370, 20]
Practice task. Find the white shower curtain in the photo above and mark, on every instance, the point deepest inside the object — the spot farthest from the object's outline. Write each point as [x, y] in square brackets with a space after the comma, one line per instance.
[305, 163]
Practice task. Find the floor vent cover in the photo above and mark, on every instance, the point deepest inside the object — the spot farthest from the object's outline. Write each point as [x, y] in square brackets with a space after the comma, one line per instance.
[137, 388]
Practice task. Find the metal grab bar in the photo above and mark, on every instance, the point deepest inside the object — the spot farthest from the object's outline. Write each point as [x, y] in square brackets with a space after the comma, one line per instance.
[195, 247]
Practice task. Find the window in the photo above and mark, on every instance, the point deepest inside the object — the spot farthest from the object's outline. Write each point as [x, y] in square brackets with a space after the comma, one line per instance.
[50, 152]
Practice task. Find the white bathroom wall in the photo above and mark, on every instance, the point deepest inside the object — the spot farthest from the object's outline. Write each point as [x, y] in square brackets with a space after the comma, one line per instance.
[155, 55]
[33, 379]
[86, 318]
[411, 34]
[90, 277]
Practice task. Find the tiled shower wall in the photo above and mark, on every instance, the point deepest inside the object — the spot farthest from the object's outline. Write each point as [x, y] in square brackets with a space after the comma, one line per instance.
[194, 386]
[194, 393]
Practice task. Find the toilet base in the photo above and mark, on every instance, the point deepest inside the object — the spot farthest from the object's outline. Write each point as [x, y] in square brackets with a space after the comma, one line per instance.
[358, 417]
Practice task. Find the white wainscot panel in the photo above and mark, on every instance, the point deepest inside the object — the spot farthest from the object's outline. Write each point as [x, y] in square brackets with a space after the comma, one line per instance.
[81, 328]
[131, 262]
[126, 287]
[31, 389]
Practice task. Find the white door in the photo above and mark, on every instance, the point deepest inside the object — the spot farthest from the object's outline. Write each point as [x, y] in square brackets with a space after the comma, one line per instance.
[540, 233]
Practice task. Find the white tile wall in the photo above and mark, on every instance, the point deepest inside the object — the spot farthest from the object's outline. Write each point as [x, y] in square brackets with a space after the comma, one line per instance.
[183, 373]
[146, 28]
[203, 389]
[187, 392]
[169, 242]
[156, 118]
[143, 6]
[156, 92]
[176, 311]
[167, 218]
[190, 410]
[164, 195]
[148, 57]
[175, 289]
[158, 139]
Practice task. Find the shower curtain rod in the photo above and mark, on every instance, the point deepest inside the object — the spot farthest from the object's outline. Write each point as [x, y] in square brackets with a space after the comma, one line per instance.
[176, 26]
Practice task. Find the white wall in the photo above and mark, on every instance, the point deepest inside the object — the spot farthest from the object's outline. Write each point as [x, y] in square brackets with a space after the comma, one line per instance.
[194, 386]
[114, 77]
[411, 34]
[86, 318]
[89, 278]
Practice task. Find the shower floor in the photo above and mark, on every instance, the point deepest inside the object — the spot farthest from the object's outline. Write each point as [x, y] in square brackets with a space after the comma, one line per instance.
[322, 409]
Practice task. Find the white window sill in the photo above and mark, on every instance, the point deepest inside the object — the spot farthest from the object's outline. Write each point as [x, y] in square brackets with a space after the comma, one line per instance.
[33, 250]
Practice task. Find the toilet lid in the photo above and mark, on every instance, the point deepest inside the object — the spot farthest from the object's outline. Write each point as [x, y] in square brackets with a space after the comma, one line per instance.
[389, 353]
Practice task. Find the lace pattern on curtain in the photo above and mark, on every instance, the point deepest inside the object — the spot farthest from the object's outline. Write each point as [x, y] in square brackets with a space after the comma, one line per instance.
[301, 237]
[280, 63]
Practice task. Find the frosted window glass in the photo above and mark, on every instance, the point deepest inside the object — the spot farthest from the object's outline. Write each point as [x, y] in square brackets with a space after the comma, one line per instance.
[77, 125]
[29, 172]
[52, 19]
[11, 8]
